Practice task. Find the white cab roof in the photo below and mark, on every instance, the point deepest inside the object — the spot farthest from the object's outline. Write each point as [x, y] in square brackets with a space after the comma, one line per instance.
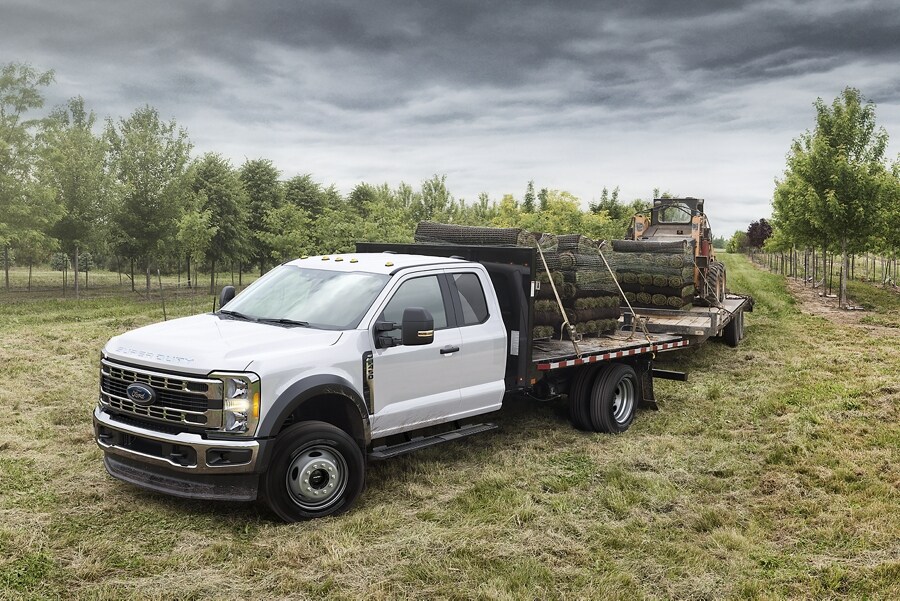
[385, 263]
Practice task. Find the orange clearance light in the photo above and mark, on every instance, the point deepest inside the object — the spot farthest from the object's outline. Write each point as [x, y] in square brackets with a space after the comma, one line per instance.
[354, 260]
[256, 405]
[324, 258]
[389, 264]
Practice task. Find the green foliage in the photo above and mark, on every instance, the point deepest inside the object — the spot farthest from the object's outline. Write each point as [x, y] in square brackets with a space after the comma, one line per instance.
[72, 166]
[195, 232]
[738, 243]
[222, 195]
[264, 193]
[528, 203]
[286, 232]
[85, 262]
[59, 262]
[836, 184]
[26, 208]
[149, 159]
[303, 192]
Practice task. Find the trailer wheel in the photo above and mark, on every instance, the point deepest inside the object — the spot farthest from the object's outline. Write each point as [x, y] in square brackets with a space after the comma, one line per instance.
[316, 470]
[580, 399]
[614, 399]
[732, 333]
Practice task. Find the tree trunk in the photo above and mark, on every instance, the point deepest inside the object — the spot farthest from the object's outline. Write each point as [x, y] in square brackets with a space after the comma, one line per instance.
[148, 278]
[132, 274]
[212, 276]
[76, 273]
[845, 272]
[240, 273]
[188, 261]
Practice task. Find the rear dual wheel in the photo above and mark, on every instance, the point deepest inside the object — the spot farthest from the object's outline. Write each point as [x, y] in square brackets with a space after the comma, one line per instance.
[734, 330]
[604, 399]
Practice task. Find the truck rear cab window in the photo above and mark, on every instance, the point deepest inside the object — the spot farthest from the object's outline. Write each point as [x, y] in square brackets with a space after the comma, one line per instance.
[418, 292]
[471, 298]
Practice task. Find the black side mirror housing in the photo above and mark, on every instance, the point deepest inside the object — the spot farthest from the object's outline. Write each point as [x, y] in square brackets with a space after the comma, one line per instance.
[226, 295]
[417, 327]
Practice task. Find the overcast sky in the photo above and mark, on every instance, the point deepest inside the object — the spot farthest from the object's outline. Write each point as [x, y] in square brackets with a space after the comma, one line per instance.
[700, 98]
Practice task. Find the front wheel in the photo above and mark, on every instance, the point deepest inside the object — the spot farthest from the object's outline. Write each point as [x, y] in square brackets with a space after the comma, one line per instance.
[316, 470]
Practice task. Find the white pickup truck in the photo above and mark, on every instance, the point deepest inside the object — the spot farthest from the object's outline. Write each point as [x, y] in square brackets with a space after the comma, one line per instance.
[285, 392]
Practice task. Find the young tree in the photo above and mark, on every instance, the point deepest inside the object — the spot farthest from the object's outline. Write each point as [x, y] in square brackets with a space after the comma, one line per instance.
[835, 177]
[148, 158]
[528, 203]
[287, 232]
[215, 181]
[758, 232]
[195, 232]
[301, 191]
[72, 166]
[264, 193]
[26, 210]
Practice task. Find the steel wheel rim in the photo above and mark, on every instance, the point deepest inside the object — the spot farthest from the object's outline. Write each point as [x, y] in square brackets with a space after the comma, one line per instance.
[623, 401]
[316, 477]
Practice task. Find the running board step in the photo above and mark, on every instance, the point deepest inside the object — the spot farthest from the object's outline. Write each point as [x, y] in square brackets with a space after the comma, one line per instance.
[423, 442]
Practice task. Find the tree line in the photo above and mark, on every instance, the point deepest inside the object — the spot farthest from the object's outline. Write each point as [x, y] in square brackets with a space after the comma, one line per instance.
[839, 193]
[129, 192]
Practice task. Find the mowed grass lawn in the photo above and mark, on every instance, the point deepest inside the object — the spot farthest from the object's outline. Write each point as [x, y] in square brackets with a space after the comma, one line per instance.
[774, 472]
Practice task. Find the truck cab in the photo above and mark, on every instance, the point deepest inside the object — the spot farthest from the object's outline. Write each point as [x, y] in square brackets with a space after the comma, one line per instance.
[281, 393]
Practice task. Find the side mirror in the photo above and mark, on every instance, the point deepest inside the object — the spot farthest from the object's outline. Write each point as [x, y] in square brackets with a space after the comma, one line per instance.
[417, 327]
[226, 295]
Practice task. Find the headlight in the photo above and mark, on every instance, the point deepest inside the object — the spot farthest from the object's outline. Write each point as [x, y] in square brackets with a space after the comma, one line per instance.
[240, 405]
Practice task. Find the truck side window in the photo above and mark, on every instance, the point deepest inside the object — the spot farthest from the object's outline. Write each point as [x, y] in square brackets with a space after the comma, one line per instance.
[419, 292]
[471, 297]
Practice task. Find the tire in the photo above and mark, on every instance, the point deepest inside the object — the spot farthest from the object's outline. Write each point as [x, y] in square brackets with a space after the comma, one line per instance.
[732, 333]
[614, 399]
[579, 397]
[316, 470]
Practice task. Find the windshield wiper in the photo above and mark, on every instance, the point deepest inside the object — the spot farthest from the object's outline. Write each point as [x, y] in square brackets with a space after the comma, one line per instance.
[236, 314]
[284, 321]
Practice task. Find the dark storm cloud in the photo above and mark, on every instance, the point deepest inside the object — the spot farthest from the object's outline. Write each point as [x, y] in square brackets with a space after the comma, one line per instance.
[360, 56]
[580, 91]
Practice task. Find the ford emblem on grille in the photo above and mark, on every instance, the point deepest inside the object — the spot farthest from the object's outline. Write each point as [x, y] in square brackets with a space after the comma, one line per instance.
[141, 394]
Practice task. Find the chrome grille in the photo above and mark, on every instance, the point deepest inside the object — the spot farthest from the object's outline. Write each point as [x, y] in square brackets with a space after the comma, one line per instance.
[180, 399]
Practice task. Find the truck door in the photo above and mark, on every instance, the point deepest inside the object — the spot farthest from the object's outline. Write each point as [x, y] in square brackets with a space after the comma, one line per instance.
[414, 386]
[483, 350]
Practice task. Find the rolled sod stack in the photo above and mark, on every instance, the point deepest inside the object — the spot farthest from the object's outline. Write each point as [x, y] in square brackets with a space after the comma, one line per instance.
[590, 299]
[655, 274]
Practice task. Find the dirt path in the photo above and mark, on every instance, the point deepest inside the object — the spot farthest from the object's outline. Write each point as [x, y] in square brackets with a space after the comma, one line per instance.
[812, 303]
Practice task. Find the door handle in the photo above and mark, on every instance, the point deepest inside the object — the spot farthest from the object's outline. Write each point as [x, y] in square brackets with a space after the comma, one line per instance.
[449, 349]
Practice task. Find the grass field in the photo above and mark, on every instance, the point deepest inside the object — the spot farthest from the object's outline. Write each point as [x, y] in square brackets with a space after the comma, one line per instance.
[774, 472]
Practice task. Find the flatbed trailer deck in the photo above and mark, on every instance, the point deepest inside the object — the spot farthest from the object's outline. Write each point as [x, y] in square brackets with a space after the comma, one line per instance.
[555, 354]
[697, 322]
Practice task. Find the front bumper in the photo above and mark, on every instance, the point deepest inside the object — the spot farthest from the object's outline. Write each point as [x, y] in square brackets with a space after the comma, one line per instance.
[181, 464]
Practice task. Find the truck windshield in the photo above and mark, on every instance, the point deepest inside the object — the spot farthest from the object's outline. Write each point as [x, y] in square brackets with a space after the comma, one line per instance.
[319, 298]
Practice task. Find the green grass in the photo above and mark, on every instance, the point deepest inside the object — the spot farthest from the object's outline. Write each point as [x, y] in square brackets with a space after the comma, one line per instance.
[772, 473]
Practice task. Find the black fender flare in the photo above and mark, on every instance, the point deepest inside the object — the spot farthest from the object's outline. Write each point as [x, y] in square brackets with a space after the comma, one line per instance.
[303, 390]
